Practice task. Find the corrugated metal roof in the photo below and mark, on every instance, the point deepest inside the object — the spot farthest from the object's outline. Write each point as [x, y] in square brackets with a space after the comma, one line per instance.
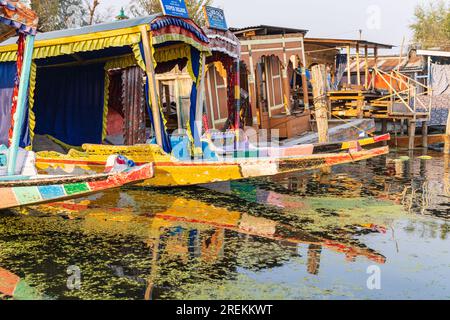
[340, 43]
[389, 63]
[265, 30]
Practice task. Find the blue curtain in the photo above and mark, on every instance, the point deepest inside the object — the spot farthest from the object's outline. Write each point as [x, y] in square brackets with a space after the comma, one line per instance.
[7, 79]
[167, 147]
[69, 103]
[195, 58]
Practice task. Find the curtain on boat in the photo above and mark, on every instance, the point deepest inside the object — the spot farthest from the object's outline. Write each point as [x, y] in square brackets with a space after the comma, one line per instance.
[167, 147]
[7, 79]
[69, 103]
[193, 128]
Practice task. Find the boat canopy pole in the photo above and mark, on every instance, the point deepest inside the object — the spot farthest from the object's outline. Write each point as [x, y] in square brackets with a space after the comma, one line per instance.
[21, 104]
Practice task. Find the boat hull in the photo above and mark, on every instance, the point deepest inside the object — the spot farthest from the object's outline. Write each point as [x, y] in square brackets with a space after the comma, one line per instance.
[44, 189]
[170, 172]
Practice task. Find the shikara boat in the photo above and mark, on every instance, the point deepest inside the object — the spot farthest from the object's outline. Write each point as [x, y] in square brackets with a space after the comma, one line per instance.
[20, 184]
[33, 190]
[171, 172]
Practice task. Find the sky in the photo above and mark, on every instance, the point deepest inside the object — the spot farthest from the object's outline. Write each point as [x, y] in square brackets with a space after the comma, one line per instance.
[384, 21]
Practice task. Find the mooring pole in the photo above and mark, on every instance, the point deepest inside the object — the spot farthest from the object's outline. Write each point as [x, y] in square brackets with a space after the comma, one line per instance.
[319, 83]
[412, 134]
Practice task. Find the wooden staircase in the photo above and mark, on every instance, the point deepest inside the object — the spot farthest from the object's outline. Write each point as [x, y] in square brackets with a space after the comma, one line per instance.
[402, 100]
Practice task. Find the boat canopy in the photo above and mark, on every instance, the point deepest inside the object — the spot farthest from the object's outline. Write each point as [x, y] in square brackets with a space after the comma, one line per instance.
[226, 55]
[69, 88]
[223, 42]
[16, 17]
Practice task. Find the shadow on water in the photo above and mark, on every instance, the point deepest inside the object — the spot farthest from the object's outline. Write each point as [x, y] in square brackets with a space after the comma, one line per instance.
[306, 235]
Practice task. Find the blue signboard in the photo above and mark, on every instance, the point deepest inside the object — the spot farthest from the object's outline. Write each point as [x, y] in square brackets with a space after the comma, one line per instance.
[175, 8]
[215, 18]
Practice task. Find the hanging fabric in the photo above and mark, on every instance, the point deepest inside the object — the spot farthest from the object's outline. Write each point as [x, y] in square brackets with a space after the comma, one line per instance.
[19, 63]
[193, 131]
[341, 66]
[70, 108]
[167, 146]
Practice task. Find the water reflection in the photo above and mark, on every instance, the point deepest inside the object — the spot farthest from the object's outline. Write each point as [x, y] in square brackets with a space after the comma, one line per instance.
[274, 238]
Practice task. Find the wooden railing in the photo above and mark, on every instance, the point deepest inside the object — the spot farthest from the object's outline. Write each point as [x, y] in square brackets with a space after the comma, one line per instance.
[407, 97]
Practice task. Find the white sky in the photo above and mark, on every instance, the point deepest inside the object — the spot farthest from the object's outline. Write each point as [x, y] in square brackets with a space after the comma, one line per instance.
[384, 21]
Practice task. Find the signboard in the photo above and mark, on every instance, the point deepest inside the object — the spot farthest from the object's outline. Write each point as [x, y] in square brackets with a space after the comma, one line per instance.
[215, 18]
[175, 8]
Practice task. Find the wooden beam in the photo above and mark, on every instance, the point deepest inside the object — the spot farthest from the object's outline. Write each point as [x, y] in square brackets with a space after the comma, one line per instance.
[425, 134]
[358, 66]
[349, 73]
[200, 98]
[366, 67]
[304, 79]
[153, 93]
[412, 134]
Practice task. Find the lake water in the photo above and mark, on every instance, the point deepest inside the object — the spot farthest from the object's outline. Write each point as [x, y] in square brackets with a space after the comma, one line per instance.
[378, 229]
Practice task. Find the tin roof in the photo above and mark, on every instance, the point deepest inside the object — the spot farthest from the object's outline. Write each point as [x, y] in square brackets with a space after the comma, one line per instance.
[265, 30]
[341, 43]
[389, 63]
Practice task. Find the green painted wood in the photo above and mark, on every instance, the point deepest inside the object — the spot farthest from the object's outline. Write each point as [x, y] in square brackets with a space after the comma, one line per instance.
[75, 188]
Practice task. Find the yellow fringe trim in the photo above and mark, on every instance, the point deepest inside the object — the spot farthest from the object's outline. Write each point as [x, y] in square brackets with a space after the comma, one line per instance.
[31, 114]
[81, 46]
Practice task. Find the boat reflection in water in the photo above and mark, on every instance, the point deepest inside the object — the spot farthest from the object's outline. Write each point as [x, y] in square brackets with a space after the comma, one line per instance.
[267, 238]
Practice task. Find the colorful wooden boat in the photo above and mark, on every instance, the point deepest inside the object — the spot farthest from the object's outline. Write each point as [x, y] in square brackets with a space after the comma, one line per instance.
[171, 172]
[20, 185]
[13, 287]
[25, 191]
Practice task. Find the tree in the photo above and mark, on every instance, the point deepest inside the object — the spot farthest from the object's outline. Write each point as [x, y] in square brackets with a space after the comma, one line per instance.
[47, 11]
[144, 7]
[432, 25]
[65, 14]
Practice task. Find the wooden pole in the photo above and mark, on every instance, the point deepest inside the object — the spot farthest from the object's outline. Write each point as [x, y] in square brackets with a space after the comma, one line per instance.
[304, 79]
[285, 84]
[319, 82]
[425, 134]
[447, 136]
[21, 105]
[237, 94]
[366, 67]
[200, 99]
[358, 65]
[412, 134]
[349, 73]
[375, 54]
[153, 92]
[179, 104]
